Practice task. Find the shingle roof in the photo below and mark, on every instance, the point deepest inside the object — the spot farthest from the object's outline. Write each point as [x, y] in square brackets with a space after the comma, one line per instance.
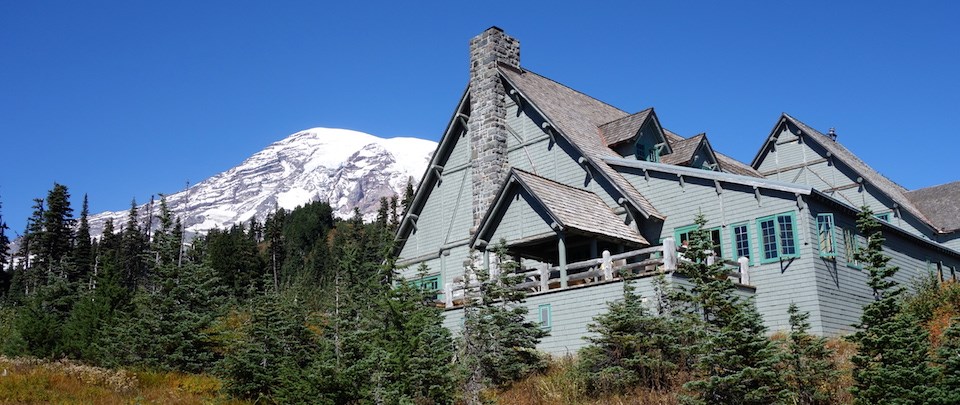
[683, 150]
[727, 163]
[578, 116]
[941, 205]
[893, 190]
[577, 209]
[623, 129]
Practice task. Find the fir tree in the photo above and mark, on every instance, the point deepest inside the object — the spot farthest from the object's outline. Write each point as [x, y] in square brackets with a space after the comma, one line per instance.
[132, 249]
[631, 347]
[949, 359]
[737, 363]
[807, 360]
[890, 365]
[58, 224]
[5, 275]
[83, 250]
[407, 199]
[498, 345]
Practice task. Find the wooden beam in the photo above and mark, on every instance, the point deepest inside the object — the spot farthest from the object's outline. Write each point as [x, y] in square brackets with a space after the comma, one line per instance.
[793, 167]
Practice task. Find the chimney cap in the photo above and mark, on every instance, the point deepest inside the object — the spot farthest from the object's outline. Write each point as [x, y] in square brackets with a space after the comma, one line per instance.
[832, 133]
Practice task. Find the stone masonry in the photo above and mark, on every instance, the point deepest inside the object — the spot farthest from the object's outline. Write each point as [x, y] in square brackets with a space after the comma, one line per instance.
[488, 113]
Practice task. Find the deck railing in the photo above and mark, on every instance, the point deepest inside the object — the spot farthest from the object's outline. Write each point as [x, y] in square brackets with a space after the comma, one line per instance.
[608, 267]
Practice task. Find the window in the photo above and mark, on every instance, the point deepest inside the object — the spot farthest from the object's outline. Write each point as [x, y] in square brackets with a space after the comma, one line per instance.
[778, 237]
[883, 217]
[431, 283]
[683, 235]
[851, 246]
[828, 245]
[545, 317]
[741, 241]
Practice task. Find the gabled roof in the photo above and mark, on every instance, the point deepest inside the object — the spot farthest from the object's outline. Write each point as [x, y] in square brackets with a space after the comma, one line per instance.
[941, 205]
[625, 128]
[570, 207]
[886, 186]
[683, 150]
[577, 117]
[727, 163]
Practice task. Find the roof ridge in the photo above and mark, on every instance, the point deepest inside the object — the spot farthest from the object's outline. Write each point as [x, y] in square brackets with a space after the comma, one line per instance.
[935, 186]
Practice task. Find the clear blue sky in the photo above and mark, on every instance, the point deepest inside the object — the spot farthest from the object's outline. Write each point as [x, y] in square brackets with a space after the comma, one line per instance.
[124, 99]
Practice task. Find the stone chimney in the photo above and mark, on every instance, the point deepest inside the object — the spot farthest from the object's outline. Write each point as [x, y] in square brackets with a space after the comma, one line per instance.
[488, 115]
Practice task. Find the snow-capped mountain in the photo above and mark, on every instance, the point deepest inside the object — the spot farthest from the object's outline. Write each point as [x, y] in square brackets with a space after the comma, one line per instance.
[346, 168]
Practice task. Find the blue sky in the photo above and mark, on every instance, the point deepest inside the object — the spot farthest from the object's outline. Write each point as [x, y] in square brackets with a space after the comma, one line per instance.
[124, 99]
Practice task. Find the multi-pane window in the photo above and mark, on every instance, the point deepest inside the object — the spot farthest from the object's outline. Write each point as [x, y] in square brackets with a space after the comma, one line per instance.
[741, 241]
[431, 284]
[545, 316]
[851, 246]
[828, 245]
[778, 237]
[883, 217]
[683, 235]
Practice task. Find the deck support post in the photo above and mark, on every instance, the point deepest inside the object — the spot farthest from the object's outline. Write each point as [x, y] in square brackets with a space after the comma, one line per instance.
[448, 294]
[562, 248]
[669, 254]
[744, 270]
[607, 266]
[544, 277]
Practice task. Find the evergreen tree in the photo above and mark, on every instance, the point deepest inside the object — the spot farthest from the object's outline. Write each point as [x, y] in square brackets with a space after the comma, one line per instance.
[807, 361]
[83, 250]
[498, 344]
[407, 200]
[58, 223]
[737, 362]
[132, 250]
[949, 359]
[631, 347]
[890, 365]
[5, 275]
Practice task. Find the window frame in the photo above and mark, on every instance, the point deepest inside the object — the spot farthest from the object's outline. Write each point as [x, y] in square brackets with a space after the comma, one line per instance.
[885, 217]
[686, 229]
[851, 244]
[779, 237]
[422, 282]
[733, 240]
[831, 237]
[548, 323]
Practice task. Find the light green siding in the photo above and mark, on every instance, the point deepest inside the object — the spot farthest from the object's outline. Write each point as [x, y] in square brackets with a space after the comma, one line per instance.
[523, 218]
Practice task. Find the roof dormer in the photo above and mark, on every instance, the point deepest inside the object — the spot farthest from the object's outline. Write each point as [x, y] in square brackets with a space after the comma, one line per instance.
[694, 152]
[639, 135]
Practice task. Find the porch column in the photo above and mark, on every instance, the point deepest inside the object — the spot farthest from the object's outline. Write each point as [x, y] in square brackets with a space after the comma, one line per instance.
[562, 248]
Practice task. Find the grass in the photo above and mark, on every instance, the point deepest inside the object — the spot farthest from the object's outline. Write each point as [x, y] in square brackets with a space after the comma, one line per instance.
[32, 381]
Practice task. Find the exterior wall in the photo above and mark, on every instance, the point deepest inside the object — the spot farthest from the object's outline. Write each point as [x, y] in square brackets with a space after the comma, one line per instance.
[572, 310]
[779, 283]
[842, 288]
[446, 216]
[522, 219]
[826, 174]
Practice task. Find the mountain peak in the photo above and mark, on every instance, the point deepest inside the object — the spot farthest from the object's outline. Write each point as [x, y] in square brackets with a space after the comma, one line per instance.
[346, 168]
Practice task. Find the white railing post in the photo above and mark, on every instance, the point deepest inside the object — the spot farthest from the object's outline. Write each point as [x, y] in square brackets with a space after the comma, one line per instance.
[544, 277]
[448, 294]
[669, 254]
[607, 266]
[711, 257]
[744, 270]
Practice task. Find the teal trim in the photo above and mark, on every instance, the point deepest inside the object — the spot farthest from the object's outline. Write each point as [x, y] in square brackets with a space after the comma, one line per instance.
[826, 236]
[430, 283]
[741, 233]
[883, 217]
[546, 317]
[778, 237]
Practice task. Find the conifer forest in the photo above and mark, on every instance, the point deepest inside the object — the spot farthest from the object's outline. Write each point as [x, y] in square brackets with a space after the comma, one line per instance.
[304, 307]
